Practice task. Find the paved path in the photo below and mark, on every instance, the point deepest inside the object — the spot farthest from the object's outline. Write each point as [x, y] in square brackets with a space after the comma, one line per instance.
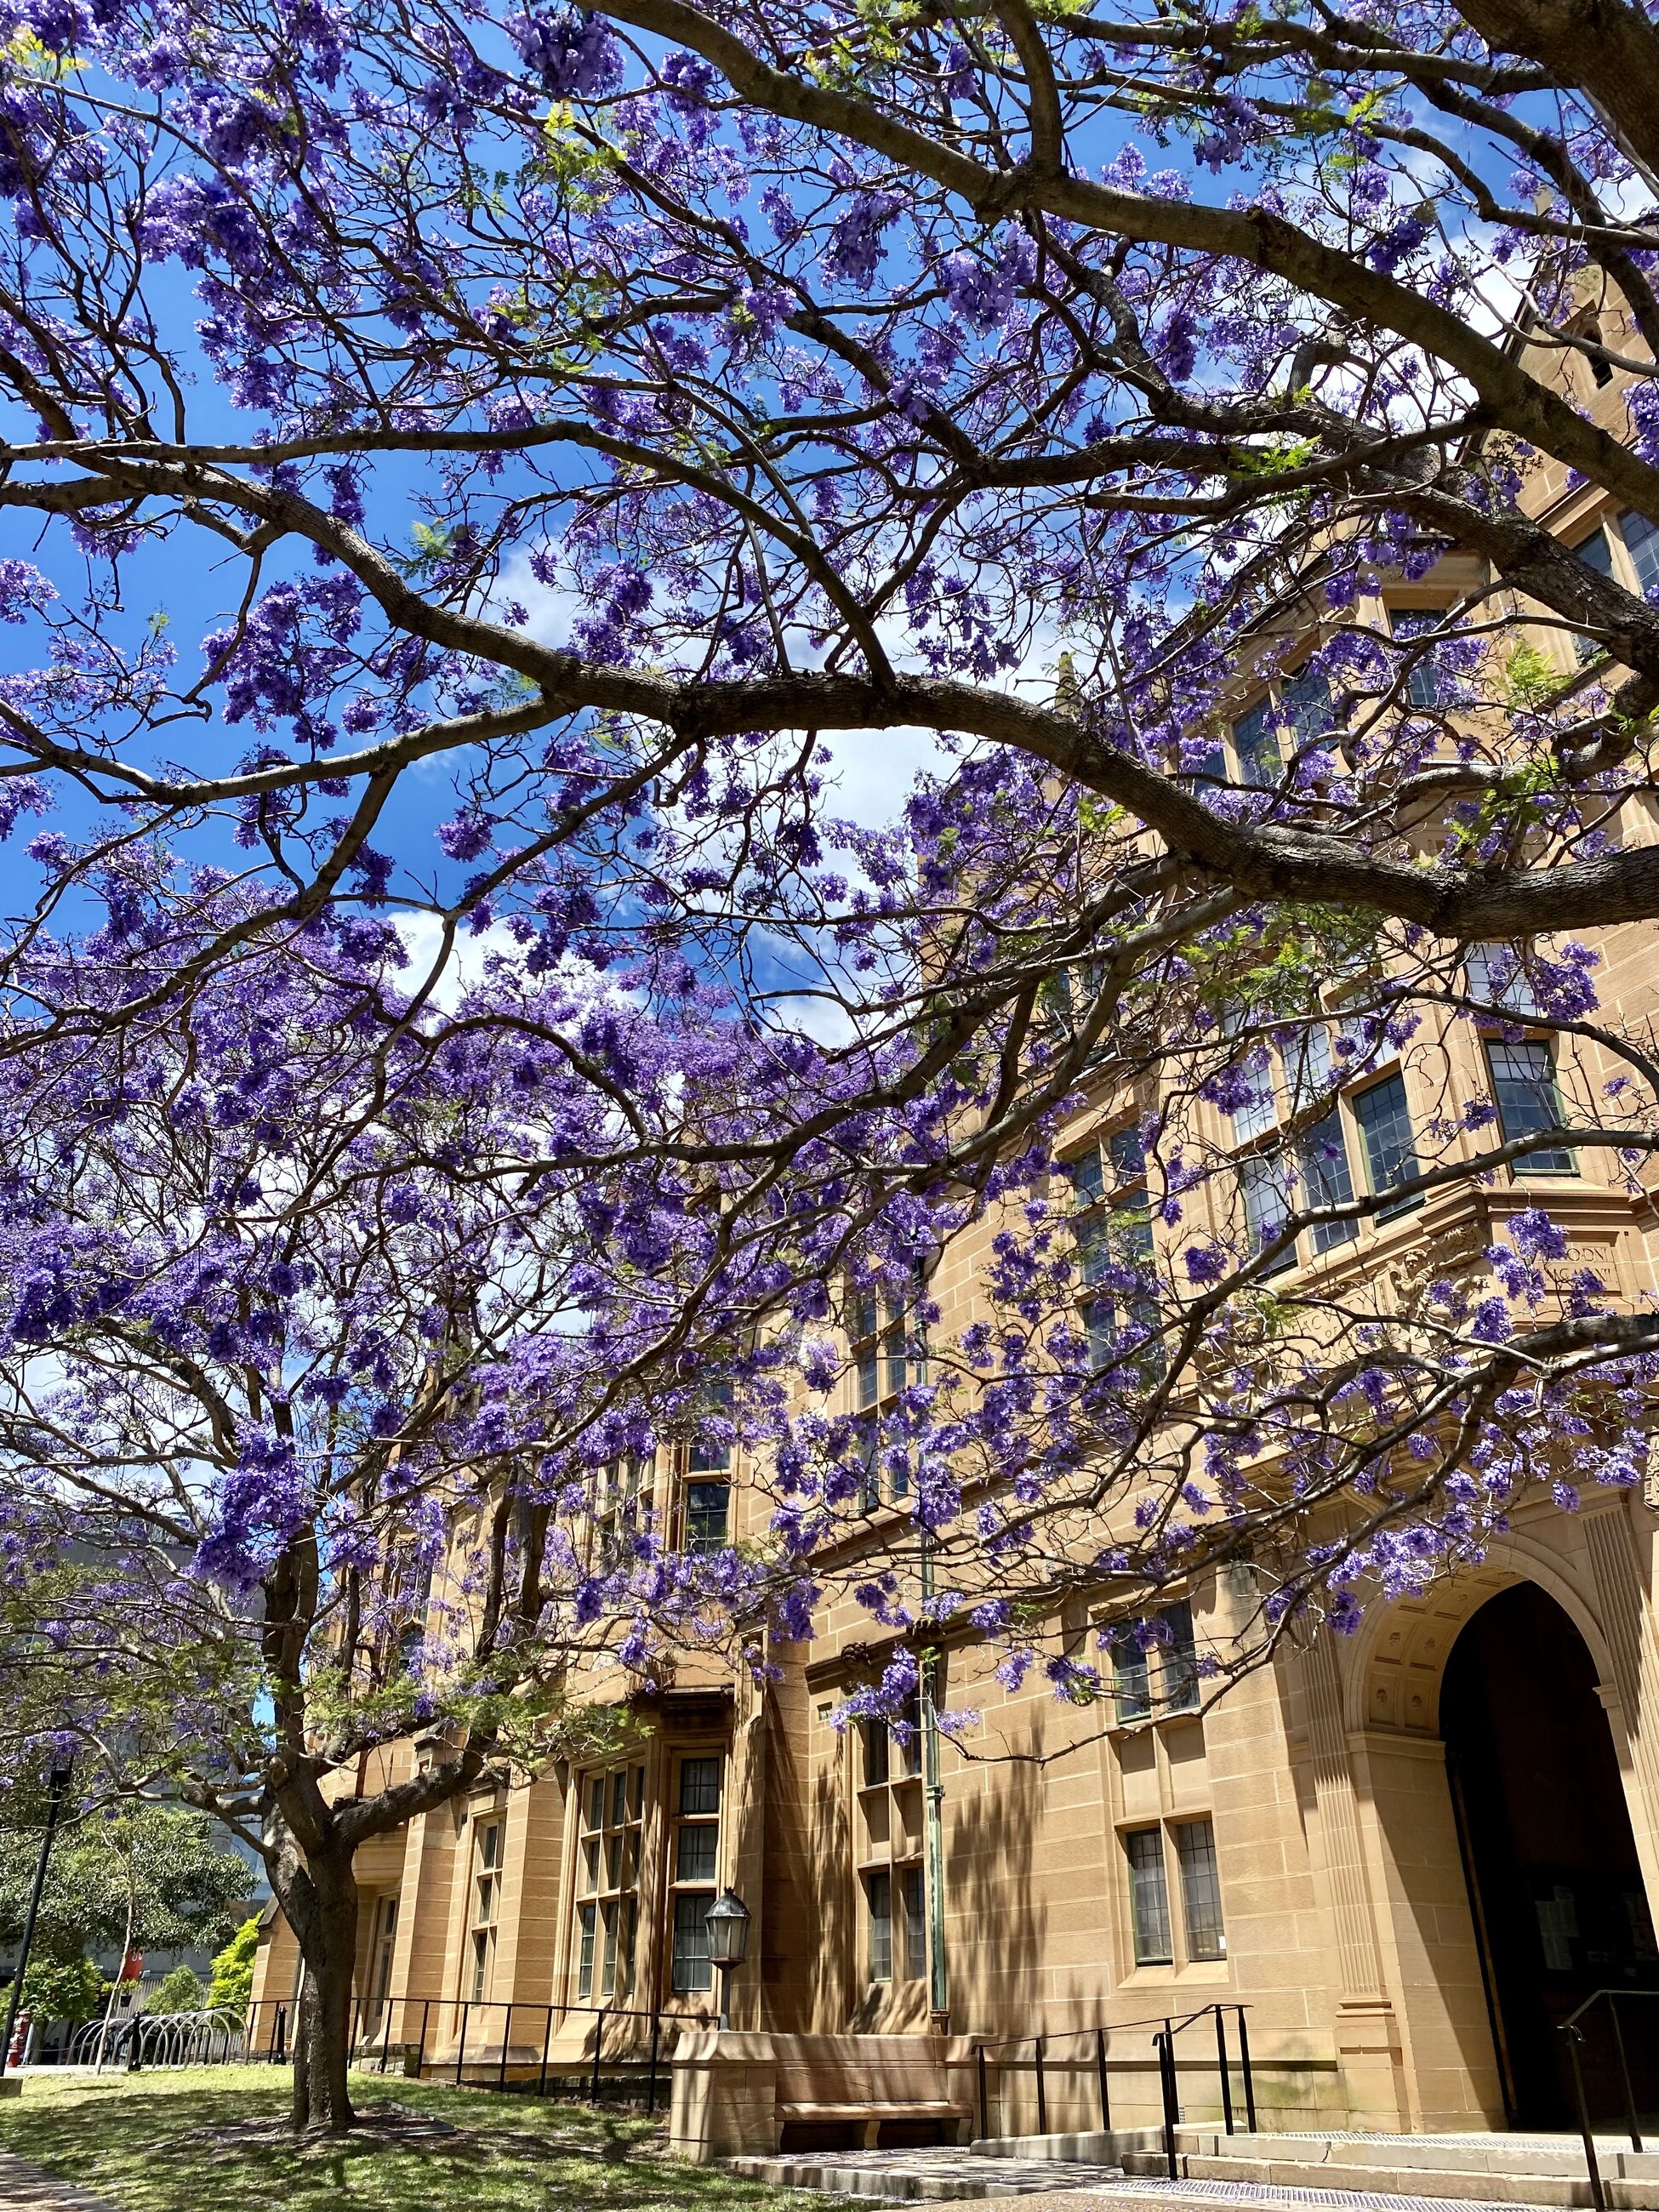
[25, 2187]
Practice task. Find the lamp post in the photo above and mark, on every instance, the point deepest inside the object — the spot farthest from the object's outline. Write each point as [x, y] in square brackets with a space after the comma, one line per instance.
[57, 1782]
[727, 1923]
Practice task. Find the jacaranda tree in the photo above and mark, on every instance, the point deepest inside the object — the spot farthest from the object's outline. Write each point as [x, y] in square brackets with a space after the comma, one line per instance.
[476, 476]
[311, 1365]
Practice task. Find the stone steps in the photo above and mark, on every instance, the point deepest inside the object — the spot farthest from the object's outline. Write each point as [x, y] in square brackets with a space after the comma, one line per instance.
[1267, 2172]
[921, 2177]
[1494, 2169]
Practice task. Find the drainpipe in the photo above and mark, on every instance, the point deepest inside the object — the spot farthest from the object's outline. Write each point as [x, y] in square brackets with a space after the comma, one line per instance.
[939, 1986]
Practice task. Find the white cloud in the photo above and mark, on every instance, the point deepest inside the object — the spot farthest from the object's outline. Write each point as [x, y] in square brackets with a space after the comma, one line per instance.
[422, 937]
[872, 772]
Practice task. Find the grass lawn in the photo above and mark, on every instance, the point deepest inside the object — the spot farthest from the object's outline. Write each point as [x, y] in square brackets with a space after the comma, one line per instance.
[210, 2140]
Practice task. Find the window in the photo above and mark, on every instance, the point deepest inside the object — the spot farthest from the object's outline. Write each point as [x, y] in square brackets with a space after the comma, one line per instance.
[1265, 1183]
[486, 1905]
[693, 1970]
[1496, 976]
[1180, 1658]
[1642, 544]
[1307, 704]
[886, 1843]
[384, 1947]
[697, 1851]
[1148, 1851]
[889, 1356]
[694, 1870]
[881, 1743]
[1523, 1089]
[612, 1812]
[708, 1501]
[711, 1452]
[588, 1924]
[1390, 1151]
[1422, 683]
[1132, 1680]
[1203, 761]
[1322, 1157]
[623, 1505]
[907, 1736]
[1595, 552]
[1149, 1897]
[874, 1734]
[1201, 1890]
[913, 1897]
[1177, 1666]
[1257, 745]
[878, 1895]
[1113, 1230]
[708, 1515]
[1302, 710]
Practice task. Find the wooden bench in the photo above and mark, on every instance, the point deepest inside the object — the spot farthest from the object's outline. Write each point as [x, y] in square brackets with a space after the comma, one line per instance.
[871, 2123]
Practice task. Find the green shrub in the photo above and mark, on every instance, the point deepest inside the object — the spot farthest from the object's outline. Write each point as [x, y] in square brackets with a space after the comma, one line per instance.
[233, 1969]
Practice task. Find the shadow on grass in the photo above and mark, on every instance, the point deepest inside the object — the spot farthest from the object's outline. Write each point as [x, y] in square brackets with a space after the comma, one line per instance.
[213, 2143]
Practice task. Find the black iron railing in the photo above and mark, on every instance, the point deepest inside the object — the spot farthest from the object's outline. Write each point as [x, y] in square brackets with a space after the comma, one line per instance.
[466, 2024]
[1095, 2057]
[1572, 2029]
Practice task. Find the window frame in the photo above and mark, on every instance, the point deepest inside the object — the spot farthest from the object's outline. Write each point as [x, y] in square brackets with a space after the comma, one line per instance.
[608, 1863]
[708, 1469]
[1176, 1691]
[1175, 1855]
[624, 1494]
[1279, 1147]
[887, 1354]
[1390, 1210]
[1557, 1163]
[1199, 1867]
[878, 1882]
[1259, 763]
[1111, 1225]
[1149, 1878]
[885, 1836]
[486, 1868]
[683, 1892]
[1422, 693]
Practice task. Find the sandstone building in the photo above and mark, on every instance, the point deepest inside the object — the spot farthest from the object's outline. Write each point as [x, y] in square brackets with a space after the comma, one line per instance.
[1409, 1854]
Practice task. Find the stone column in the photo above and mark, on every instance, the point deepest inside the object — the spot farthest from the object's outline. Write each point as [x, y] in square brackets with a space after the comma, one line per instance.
[745, 1844]
[1367, 2031]
[1632, 1697]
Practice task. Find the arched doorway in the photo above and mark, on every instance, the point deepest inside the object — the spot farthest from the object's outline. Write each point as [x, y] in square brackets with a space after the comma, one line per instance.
[1555, 1885]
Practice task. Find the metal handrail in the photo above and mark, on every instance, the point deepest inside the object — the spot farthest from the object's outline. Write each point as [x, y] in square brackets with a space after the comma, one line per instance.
[277, 2050]
[1575, 2036]
[1167, 2027]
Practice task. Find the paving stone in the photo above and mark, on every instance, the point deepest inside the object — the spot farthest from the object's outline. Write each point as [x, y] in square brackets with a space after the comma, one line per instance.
[907, 2176]
[26, 2188]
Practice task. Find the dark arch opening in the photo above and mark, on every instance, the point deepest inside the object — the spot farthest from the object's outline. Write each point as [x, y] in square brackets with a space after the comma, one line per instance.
[1554, 1882]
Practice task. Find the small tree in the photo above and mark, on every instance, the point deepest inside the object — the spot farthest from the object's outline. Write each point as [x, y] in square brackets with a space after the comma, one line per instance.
[179, 1990]
[357, 1411]
[61, 1989]
[127, 1876]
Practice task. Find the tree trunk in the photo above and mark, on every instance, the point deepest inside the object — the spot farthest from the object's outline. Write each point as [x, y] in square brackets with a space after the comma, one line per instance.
[323, 1914]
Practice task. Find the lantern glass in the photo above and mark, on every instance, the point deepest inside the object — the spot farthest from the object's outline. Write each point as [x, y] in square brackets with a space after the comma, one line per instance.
[727, 1923]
